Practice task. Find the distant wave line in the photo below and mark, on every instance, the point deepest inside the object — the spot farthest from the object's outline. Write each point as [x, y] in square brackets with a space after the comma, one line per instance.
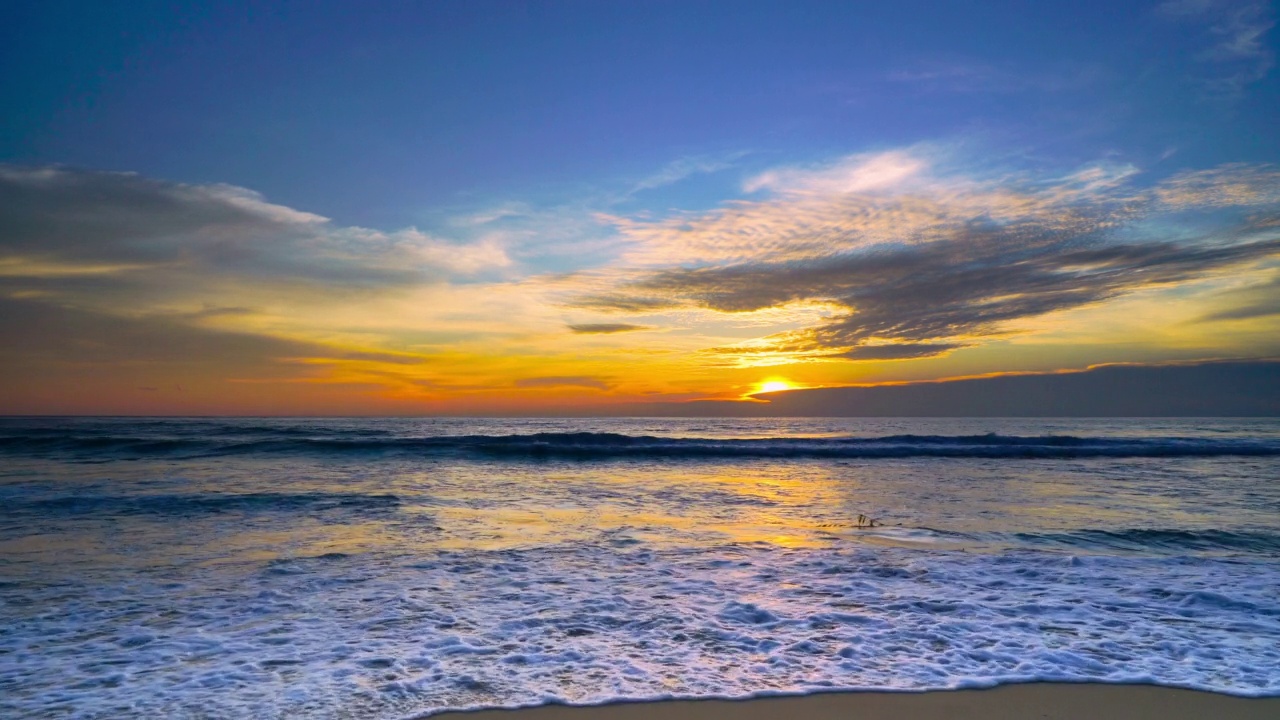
[604, 446]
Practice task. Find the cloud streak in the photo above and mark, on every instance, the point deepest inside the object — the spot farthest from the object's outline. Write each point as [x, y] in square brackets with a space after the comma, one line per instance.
[683, 169]
[606, 328]
[1255, 301]
[582, 381]
[1235, 52]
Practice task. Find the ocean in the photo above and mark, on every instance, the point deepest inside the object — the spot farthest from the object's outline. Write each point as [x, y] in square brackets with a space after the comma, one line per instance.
[393, 568]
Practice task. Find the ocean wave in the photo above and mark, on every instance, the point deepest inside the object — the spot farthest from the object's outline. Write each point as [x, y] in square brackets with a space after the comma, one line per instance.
[1168, 540]
[203, 503]
[604, 445]
[1092, 541]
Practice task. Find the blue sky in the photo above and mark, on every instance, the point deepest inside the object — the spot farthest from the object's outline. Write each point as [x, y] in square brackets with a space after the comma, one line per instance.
[378, 114]
[486, 206]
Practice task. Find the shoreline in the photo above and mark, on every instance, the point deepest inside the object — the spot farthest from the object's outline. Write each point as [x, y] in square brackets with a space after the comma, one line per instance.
[1018, 701]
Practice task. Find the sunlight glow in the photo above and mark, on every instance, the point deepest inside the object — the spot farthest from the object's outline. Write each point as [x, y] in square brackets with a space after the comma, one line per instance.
[769, 386]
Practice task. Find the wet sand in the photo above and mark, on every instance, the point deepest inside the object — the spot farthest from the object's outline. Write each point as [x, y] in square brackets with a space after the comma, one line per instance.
[1034, 701]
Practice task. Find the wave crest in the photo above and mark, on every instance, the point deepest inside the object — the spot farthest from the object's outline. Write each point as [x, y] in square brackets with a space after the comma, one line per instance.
[606, 445]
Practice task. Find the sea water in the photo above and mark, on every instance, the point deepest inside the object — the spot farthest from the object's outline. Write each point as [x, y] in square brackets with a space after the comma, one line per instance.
[393, 568]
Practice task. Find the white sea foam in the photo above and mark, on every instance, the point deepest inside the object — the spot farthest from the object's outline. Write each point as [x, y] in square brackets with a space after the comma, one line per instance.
[389, 637]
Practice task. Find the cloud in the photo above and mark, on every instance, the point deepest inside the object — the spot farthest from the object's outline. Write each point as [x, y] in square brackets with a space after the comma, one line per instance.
[492, 214]
[946, 72]
[896, 197]
[214, 311]
[958, 75]
[49, 336]
[899, 351]
[859, 173]
[59, 221]
[123, 217]
[70, 360]
[606, 328]
[913, 263]
[878, 256]
[1186, 8]
[684, 168]
[129, 271]
[220, 256]
[1233, 185]
[430, 256]
[563, 381]
[1254, 301]
[1235, 52]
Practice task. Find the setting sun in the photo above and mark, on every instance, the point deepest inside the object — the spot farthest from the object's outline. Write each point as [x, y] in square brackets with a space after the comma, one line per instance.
[769, 386]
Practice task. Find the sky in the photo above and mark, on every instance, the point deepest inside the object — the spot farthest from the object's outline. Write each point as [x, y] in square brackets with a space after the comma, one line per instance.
[480, 207]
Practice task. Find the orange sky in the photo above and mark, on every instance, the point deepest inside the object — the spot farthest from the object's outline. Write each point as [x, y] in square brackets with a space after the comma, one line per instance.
[892, 266]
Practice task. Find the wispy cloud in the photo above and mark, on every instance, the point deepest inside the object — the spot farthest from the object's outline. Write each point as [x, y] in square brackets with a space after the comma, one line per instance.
[1235, 52]
[684, 168]
[969, 76]
[856, 174]
[1233, 185]
[606, 328]
[1246, 303]
[563, 381]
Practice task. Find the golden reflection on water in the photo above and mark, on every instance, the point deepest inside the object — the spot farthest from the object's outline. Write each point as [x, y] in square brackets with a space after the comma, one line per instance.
[500, 506]
[723, 508]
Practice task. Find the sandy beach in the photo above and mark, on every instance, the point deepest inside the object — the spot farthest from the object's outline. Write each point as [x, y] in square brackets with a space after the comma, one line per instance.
[1041, 701]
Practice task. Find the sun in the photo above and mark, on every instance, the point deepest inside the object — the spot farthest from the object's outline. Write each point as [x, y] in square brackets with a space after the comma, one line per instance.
[769, 386]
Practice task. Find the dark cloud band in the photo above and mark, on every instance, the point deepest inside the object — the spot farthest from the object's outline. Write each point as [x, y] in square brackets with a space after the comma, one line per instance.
[606, 328]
